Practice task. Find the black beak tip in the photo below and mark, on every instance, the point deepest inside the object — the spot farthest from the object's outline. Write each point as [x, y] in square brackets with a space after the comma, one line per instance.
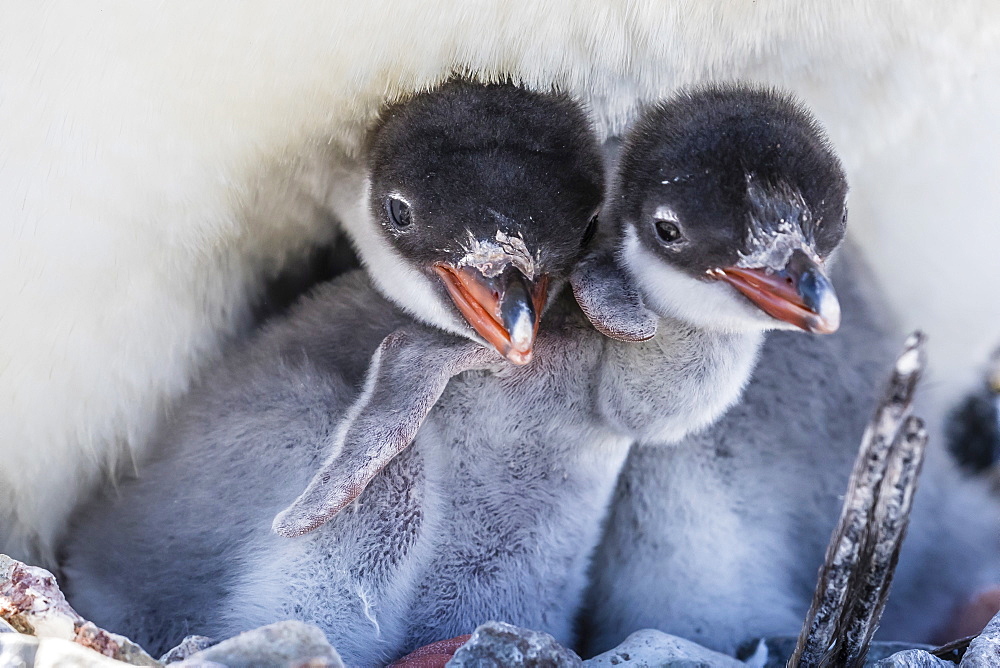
[517, 311]
[819, 296]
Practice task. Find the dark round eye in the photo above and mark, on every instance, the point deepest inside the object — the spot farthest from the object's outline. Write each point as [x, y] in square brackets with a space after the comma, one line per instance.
[667, 231]
[588, 234]
[399, 212]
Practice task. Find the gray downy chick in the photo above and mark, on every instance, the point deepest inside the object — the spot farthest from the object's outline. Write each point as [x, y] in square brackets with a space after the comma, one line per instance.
[477, 201]
[719, 538]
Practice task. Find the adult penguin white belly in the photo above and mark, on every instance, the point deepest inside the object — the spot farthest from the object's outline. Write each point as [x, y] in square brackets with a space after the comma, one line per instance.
[157, 166]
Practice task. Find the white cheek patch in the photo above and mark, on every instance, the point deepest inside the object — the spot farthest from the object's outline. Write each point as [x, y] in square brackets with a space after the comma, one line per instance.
[395, 276]
[671, 293]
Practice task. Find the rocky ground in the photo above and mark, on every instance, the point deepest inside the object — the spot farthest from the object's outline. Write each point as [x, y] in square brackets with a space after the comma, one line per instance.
[39, 629]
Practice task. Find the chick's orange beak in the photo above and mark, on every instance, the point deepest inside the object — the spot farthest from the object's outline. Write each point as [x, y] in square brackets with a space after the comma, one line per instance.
[503, 309]
[800, 294]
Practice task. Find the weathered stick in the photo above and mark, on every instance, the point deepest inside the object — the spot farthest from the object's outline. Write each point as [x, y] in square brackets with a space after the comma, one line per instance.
[863, 549]
[890, 520]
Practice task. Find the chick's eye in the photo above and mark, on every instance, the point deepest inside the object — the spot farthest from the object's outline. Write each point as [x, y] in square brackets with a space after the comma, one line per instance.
[399, 212]
[588, 234]
[667, 231]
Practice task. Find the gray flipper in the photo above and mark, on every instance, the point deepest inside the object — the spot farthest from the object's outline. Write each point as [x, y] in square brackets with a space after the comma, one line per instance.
[406, 376]
[610, 301]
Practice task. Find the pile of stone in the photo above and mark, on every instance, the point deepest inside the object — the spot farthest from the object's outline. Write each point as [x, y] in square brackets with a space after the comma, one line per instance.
[39, 629]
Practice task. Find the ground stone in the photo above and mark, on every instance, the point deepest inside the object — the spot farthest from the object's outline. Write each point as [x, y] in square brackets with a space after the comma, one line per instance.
[24, 651]
[655, 648]
[281, 645]
[912, 658]
[31, 603]
[187, 647]
[777, 651]
[500, 645]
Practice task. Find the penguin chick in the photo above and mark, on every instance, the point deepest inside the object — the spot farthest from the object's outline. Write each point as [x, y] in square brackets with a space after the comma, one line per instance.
[728, 202]
[719, 538]
[520, 463]
[478, 199]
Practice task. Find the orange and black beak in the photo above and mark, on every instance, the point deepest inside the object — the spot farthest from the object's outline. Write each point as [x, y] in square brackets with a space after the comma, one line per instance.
[800, 294]
[504, 309]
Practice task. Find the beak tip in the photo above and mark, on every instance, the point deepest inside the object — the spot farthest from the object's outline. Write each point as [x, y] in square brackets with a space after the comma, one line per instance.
[520, 358]
[820, 325]
[800, 294]
[503, 311]
[521, 331]
[827, 318]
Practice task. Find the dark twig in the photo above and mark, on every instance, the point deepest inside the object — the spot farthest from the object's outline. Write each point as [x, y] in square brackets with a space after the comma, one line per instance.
[954, 650]
[861, 557]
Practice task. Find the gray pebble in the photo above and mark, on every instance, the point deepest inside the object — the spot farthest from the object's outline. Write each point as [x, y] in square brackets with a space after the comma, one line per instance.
[655, 648]
[280, 645]
[912, 658]
[500, 645]
[187, 647]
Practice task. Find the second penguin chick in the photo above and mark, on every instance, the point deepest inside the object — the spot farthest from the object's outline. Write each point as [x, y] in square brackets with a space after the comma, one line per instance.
[718, 537]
